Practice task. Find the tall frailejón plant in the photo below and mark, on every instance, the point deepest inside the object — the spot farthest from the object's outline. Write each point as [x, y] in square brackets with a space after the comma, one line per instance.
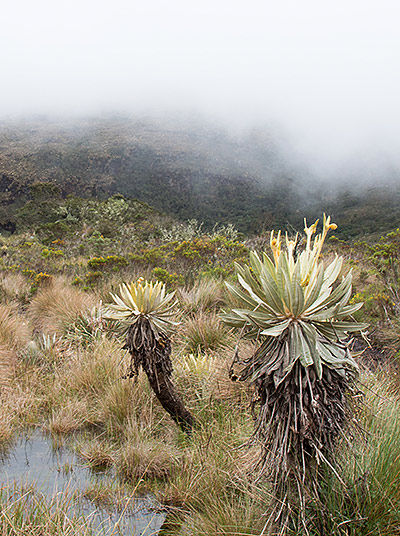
[146, 311]
[298, 312]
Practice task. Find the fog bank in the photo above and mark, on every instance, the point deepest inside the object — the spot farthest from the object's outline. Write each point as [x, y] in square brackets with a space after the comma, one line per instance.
[323, 75]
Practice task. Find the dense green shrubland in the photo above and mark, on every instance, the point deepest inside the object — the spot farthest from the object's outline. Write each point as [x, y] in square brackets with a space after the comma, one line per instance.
[134, 246]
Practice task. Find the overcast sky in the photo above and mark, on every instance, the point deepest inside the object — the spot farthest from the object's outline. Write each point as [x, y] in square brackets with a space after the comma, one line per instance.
[327, 72]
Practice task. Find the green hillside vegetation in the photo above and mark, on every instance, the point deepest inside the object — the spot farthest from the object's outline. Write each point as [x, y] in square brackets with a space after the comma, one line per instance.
[64, 370]
[172, 167]
[186, 171]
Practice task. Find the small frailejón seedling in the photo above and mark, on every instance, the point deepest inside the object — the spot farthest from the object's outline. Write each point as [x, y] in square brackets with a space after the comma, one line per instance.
[146, 312]
[298, 313]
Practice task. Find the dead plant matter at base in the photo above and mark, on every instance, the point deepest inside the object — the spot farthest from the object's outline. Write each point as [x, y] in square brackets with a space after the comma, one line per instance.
[152, 353]
[148, 351]
[298, 421]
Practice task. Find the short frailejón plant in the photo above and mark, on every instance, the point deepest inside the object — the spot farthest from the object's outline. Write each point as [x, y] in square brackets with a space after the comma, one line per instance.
[302, 367]
[147, 311]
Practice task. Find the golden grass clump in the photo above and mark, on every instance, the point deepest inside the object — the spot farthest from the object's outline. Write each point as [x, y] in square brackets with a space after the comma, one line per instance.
[14, 287]
[69, 418]
[23, 405]
[14, 330]
[205, 332]
[144, 408]
[146, 451]
[6, 427]
[211, 464]
[57, 305]
[118, 402]
[240, 511]
[111, 495]
[14, 335]
[96, 453]
[77, 392]
[205, 295]
[147, 459]
[93, 370]
[25, 511]
[7, 366]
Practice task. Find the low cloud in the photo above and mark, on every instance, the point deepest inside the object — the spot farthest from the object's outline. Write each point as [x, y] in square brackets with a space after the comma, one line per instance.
[323, 75]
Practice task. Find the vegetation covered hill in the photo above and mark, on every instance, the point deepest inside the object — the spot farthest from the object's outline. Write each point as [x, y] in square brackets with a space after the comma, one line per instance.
[176, 169]
[186, 171]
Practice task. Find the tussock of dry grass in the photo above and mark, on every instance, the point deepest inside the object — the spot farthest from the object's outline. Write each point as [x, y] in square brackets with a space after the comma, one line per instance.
[205, 332]
[81, 387]
[27, 512]
[14, 335]
[118, 402]
[146, 459]
[57, 305]
[6, 428]
[14, 287]
[240, 512]
[145, 409]
[211, 463]
[205, 295]
[93, 370]
[110, 495]
[97, 453]
[25, 408]
[69, 418]
[14, 330]
[7, 364]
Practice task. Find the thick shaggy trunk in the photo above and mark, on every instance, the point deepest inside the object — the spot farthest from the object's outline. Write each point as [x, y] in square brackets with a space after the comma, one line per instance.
[298, 421]
[152, 353]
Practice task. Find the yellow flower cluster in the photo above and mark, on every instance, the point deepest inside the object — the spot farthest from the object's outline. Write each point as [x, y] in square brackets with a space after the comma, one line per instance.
[312, 252]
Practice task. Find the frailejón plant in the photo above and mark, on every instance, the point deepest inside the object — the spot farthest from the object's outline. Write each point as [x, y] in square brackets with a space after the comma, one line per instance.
[147, 311]
[299, 314]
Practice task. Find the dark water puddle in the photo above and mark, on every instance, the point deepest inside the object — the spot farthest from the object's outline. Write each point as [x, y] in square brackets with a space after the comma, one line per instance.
[56, 470]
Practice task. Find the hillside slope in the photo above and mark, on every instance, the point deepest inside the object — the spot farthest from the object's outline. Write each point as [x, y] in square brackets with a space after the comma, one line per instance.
[188, 171]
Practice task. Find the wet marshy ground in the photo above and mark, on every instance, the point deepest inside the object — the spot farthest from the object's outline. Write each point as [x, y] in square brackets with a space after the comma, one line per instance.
[55, 470]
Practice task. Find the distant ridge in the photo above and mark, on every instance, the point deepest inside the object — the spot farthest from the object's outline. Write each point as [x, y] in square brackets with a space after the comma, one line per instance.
[186, 170]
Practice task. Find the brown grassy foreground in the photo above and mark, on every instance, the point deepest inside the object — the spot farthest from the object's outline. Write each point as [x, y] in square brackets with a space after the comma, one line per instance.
[62, 368]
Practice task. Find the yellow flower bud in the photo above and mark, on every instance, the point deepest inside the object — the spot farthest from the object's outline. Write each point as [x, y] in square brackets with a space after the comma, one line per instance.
[313, 227]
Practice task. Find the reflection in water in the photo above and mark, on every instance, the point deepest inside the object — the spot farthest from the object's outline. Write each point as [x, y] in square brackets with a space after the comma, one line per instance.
[54, 469]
